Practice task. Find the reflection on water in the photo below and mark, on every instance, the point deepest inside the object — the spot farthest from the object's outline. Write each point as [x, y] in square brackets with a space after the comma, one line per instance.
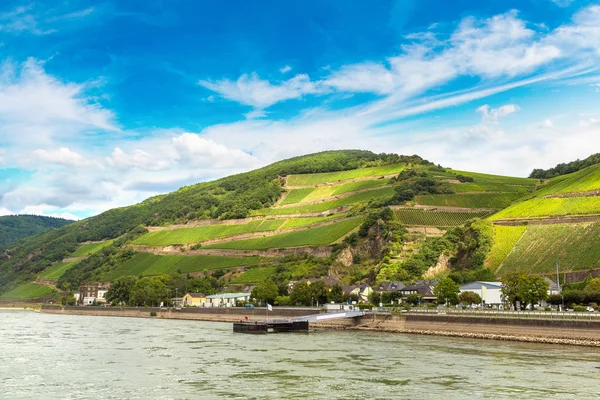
[57, 357]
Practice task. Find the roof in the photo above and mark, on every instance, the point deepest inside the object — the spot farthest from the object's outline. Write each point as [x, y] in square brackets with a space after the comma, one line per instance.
[349, 288]
[553, 285]
[390, 286]
[477, 285]
[424, 288]
[227, 295]
[196, 295]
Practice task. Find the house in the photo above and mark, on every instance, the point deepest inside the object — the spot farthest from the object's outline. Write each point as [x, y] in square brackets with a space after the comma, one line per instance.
[390, 286]
[423, 288]
[194, 300]
[227, 299]
[361, 291]
[490, 292]
[93, 293]
[554, 287]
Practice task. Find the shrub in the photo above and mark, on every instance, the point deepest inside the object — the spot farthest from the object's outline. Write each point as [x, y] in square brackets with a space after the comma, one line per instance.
[547, 308]
[365, 306]
[152, 314]
[579, 309]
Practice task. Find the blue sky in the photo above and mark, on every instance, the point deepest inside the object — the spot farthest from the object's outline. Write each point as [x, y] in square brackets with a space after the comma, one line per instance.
[103, 104]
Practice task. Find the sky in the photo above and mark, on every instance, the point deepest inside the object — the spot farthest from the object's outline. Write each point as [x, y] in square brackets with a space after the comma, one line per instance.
[104, 104]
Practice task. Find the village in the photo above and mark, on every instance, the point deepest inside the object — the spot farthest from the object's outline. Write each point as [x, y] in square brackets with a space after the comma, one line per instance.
[421, 293]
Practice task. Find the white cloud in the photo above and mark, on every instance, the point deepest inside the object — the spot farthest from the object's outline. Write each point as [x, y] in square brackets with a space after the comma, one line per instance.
[32, 19]
[563, 3]
[490, 120]
[253, 91]
[285, 69]
[63, 156]
[547, 124]
[367, 77]
[136, 159]
[582, 34]
[493, 114]
[196, 150]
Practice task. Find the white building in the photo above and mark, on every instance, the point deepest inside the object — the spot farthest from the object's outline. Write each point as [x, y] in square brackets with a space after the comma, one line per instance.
[490, 292]
[226, 299]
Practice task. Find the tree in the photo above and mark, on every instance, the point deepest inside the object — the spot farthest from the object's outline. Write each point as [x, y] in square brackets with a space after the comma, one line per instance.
[446, 291]
[413, 299]
[150, 291]
[336, 294]
[319, 292]
[121, 289]
[510, 288]
[301, 294]
[469, 298]
[533, 289]
[593, 286]
[266, 292]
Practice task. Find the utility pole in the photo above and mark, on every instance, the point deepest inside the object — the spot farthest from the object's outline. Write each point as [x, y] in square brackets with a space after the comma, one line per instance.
[558, 287]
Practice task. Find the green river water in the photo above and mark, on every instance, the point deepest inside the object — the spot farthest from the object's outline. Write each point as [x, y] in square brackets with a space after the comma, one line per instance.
[45, 356]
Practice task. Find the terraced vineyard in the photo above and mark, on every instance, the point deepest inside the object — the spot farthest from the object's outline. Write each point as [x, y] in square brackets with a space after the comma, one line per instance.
[203, 233]
[323, 192]
[328, 177]
[505, 238]
[551, 207]
[574, 246]
[474, 200]
[90, 248]
[57, 270]
[488, 187]
[492, 179]
[296, 195]
[27, 291]
[147, 264]
[416, 217]
[323, 235]
[587, 179]
[364, 197]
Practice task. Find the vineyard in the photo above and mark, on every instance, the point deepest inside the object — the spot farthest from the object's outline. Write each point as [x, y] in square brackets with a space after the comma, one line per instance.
[493, 179]
[548, 207]
[90, 248]
[472, 200]
[488, 187]
[296, 195]
[328, 177]
[574, 246]
[27, 291]
[323, 235]
[505, 238]
[587, 179]
[146, 264]
[57, 270]
[364, 197]
[415, 217]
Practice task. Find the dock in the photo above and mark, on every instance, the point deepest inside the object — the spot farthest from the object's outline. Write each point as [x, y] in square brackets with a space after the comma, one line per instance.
[298, 324]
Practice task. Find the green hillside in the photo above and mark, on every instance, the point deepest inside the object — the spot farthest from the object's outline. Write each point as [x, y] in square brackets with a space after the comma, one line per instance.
[16, 227]
[376, 205]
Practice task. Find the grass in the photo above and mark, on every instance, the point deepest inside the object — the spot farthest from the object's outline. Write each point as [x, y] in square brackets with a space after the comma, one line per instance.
[57, 270]
[312, 237]
[415, 217]
[474, 200]
[296, 195]
[335, 190]
[574, 246]
[147, 264]
[548, 207]
[301, 222]
[491, 179]
[587, 179]
[28, 291]
[89, 248]
[505, 238]
[255, 275]
[364, 197]
[327, 177]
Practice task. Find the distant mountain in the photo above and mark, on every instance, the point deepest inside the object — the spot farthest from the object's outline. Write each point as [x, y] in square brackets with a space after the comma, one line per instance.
[16, 227]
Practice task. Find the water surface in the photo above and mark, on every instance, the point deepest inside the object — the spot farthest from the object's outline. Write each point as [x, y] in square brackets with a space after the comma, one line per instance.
[79, 357]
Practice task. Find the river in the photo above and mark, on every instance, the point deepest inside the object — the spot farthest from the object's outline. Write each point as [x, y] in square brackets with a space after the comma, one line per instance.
[83, 357]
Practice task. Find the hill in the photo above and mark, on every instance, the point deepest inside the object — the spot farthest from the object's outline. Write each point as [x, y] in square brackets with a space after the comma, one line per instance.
[352, 215]
[16, 227]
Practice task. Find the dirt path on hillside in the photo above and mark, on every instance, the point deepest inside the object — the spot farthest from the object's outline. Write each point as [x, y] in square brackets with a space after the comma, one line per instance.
[320, 251]
[549, 220]
[365, 178]
[444, 208]
[331, 198]
[71, 259]
[426, 230]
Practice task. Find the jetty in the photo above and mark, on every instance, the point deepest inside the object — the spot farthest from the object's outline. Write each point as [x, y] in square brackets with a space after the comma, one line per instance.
[297, 324]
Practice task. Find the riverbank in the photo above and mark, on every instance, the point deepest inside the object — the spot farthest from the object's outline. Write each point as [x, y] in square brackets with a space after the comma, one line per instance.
[500, 327]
